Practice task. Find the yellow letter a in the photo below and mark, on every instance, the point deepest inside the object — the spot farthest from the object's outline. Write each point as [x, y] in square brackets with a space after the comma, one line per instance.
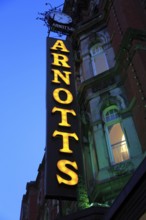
[59, 45]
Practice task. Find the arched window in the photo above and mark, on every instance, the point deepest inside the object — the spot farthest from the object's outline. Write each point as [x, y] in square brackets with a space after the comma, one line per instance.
[116, 140]
[98, 59]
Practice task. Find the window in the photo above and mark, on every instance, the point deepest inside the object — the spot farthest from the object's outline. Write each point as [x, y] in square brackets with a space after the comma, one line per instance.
[98, 59]
[116, 140]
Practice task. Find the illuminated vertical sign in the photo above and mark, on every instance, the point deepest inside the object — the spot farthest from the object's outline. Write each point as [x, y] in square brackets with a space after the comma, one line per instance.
[62, 157]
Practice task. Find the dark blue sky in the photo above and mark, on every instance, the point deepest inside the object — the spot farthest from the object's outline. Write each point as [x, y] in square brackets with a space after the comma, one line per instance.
[22, 97]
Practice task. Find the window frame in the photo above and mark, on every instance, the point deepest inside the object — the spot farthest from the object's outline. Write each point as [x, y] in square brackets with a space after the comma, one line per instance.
[98, 50]
[107, 136]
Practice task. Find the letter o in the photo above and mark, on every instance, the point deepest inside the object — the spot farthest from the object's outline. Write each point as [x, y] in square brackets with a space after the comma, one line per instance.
[69, 96]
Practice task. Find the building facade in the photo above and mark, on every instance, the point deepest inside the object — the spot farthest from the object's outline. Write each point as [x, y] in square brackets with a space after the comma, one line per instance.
[109, 47]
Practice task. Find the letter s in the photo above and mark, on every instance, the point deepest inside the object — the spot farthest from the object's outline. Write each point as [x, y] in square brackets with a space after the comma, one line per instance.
[73, 176]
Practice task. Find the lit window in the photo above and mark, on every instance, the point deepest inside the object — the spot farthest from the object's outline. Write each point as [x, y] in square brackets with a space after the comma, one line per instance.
[117, 145]
[99, 59]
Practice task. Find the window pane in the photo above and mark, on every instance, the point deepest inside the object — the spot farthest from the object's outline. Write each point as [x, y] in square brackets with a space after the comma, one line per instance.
[111, 115]
[100, 63]
[118, 143]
